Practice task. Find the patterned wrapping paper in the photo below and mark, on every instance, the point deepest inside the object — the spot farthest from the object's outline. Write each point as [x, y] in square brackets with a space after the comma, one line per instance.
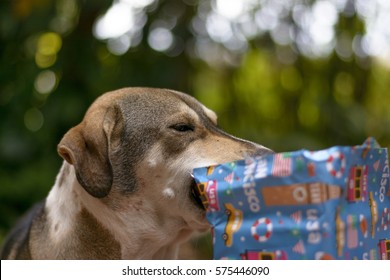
[328, 204]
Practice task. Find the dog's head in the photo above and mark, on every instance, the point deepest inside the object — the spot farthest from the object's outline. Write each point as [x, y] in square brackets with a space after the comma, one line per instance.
[144, 143]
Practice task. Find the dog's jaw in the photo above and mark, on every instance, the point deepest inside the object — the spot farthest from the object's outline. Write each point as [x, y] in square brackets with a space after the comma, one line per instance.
[142, 228]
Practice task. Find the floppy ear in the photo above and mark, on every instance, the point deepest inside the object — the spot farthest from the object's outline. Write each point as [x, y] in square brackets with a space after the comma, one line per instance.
[87, 147]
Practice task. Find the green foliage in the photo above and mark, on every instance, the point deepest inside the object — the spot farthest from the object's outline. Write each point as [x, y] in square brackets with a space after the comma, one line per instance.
[268, 89]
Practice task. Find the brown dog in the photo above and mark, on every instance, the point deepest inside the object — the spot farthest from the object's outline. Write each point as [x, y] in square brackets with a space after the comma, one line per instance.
[124, 190]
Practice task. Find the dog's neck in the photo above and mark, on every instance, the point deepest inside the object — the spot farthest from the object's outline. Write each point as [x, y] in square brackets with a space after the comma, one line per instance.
[138, 230]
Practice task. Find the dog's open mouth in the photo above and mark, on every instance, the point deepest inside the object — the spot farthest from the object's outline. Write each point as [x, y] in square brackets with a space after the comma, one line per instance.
[196, 196]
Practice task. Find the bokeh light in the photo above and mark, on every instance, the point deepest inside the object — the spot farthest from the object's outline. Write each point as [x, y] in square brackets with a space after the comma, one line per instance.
[160, 39]
[33, 119]
[307, 27]
[122, 25]
[48, 45]
[45, 82]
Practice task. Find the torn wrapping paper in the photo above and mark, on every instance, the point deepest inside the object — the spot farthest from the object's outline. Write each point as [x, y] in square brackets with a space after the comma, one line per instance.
[329, 204]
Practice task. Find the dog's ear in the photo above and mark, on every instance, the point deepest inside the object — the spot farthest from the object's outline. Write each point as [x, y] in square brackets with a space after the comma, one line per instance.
[87, 147]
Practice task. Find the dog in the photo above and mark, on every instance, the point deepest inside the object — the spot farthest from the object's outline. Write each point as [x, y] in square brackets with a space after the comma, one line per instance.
[124, 190]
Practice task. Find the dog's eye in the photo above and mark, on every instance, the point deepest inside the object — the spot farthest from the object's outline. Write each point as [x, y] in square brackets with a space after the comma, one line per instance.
[182, 127]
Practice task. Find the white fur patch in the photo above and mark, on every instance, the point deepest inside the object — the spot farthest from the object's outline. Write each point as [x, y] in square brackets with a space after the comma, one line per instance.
[61, 204]
[169, 193]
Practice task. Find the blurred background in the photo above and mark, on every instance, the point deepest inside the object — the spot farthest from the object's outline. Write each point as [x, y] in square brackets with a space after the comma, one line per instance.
[288, 74]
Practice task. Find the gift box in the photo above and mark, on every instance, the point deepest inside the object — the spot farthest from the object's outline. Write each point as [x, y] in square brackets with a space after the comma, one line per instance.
[328, 204]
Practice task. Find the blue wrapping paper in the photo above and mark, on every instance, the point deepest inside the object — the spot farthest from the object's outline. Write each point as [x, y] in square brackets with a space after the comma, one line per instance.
[328, 204]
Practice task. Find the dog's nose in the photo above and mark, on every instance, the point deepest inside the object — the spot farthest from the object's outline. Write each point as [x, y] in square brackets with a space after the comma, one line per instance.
[259, 150]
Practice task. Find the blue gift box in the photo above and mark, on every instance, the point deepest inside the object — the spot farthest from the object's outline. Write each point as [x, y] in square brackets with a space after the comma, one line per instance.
[328, 204]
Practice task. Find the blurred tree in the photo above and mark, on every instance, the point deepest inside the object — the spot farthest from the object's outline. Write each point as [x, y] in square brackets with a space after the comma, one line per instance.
[288, 74]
